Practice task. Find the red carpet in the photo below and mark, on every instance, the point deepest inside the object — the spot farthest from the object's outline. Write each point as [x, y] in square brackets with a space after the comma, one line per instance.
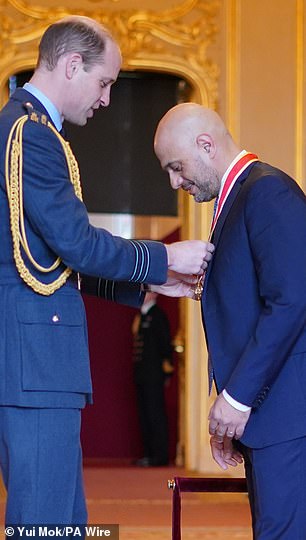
[141, 503]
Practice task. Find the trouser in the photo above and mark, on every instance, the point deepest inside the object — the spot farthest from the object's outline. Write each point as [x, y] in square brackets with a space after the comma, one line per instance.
[41, 464]
[153, 420]
[276, 478]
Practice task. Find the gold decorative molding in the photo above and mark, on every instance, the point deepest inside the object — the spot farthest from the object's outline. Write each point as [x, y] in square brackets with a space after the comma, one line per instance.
[173, 40]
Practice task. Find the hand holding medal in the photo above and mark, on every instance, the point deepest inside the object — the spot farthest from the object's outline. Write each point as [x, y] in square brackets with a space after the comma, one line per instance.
[198, 289]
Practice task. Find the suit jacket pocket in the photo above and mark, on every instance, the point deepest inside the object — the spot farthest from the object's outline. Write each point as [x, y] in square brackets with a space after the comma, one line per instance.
[54, 345]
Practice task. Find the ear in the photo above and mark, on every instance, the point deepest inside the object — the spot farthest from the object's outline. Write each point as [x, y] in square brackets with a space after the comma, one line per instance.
[206, 144]
[74, 63]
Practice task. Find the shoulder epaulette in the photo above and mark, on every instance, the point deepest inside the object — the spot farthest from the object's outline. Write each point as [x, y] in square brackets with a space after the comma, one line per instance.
[35, 116]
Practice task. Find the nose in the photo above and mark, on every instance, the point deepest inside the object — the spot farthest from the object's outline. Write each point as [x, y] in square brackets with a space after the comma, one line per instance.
[105, 96]
[175, 179]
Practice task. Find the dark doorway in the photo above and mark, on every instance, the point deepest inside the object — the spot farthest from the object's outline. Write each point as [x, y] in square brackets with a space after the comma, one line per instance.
[119, 171]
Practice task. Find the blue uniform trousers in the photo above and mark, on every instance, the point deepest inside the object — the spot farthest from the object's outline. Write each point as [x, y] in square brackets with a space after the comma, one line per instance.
[41, 463]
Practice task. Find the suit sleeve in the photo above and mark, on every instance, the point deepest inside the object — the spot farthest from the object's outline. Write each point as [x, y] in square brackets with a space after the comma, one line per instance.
[275, 215]
[60, 221]
[121, 292]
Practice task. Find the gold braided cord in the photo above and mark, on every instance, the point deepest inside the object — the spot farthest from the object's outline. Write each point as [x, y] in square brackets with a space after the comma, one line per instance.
[14, 186]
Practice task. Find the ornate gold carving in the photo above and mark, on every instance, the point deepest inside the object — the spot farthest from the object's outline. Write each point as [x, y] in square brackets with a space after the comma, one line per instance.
[173, 40]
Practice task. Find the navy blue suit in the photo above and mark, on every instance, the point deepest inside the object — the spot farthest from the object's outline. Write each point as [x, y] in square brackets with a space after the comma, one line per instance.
[44, 360]
[254, 313]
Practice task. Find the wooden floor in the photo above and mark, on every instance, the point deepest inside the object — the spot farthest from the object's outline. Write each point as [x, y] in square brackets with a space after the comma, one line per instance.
[140, 502]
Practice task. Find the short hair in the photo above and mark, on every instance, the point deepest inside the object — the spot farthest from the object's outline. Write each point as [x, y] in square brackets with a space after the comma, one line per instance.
[73, 34]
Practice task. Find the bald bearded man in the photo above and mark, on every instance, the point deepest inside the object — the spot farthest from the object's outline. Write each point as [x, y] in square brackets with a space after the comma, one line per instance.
[254, 312]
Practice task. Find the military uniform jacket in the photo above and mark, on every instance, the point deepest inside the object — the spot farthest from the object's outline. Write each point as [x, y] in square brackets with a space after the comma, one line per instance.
[152, 345]
[43, 347]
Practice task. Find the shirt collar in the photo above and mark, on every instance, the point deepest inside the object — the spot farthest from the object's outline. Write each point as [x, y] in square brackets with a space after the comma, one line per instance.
[49, 106]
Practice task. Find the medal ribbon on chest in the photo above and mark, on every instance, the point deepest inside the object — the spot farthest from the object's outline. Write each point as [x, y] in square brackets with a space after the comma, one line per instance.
[232, 176]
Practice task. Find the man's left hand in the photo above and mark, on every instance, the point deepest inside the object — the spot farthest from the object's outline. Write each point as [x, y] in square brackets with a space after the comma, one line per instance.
[225, 420]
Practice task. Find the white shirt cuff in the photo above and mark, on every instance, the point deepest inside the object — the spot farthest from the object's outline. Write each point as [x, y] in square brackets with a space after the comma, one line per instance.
[234, 403]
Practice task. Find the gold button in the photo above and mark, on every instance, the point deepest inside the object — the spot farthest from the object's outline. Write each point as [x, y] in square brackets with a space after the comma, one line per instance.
[55, 318]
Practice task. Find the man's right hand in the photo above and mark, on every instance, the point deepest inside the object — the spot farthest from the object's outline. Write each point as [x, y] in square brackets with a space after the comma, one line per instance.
[189, 256]
[177, 285]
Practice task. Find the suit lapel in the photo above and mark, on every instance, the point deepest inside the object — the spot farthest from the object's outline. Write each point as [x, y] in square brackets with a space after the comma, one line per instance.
[222, 218]
[225, 211]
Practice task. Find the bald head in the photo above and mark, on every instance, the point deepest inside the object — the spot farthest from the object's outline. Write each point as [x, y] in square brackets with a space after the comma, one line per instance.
[185, 123]
[195, 148]
[192, 116]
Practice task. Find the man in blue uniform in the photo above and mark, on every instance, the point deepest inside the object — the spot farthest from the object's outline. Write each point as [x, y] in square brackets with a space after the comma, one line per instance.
[152, 366]
[254, 312]
[46, 240]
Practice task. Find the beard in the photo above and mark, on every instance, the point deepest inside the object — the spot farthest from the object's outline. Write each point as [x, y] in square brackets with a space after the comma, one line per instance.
[207, 181]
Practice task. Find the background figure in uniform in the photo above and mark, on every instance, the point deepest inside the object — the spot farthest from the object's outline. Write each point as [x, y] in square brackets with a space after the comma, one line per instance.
[152, 359]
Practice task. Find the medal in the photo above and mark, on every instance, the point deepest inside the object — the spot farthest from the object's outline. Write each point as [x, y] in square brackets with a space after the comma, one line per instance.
[198, 289]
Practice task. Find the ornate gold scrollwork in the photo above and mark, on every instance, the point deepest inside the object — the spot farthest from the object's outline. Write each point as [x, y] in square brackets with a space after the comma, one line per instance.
[173, 40]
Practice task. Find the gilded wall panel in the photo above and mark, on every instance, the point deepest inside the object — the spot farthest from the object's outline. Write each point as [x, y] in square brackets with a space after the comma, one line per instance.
[163, 36]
